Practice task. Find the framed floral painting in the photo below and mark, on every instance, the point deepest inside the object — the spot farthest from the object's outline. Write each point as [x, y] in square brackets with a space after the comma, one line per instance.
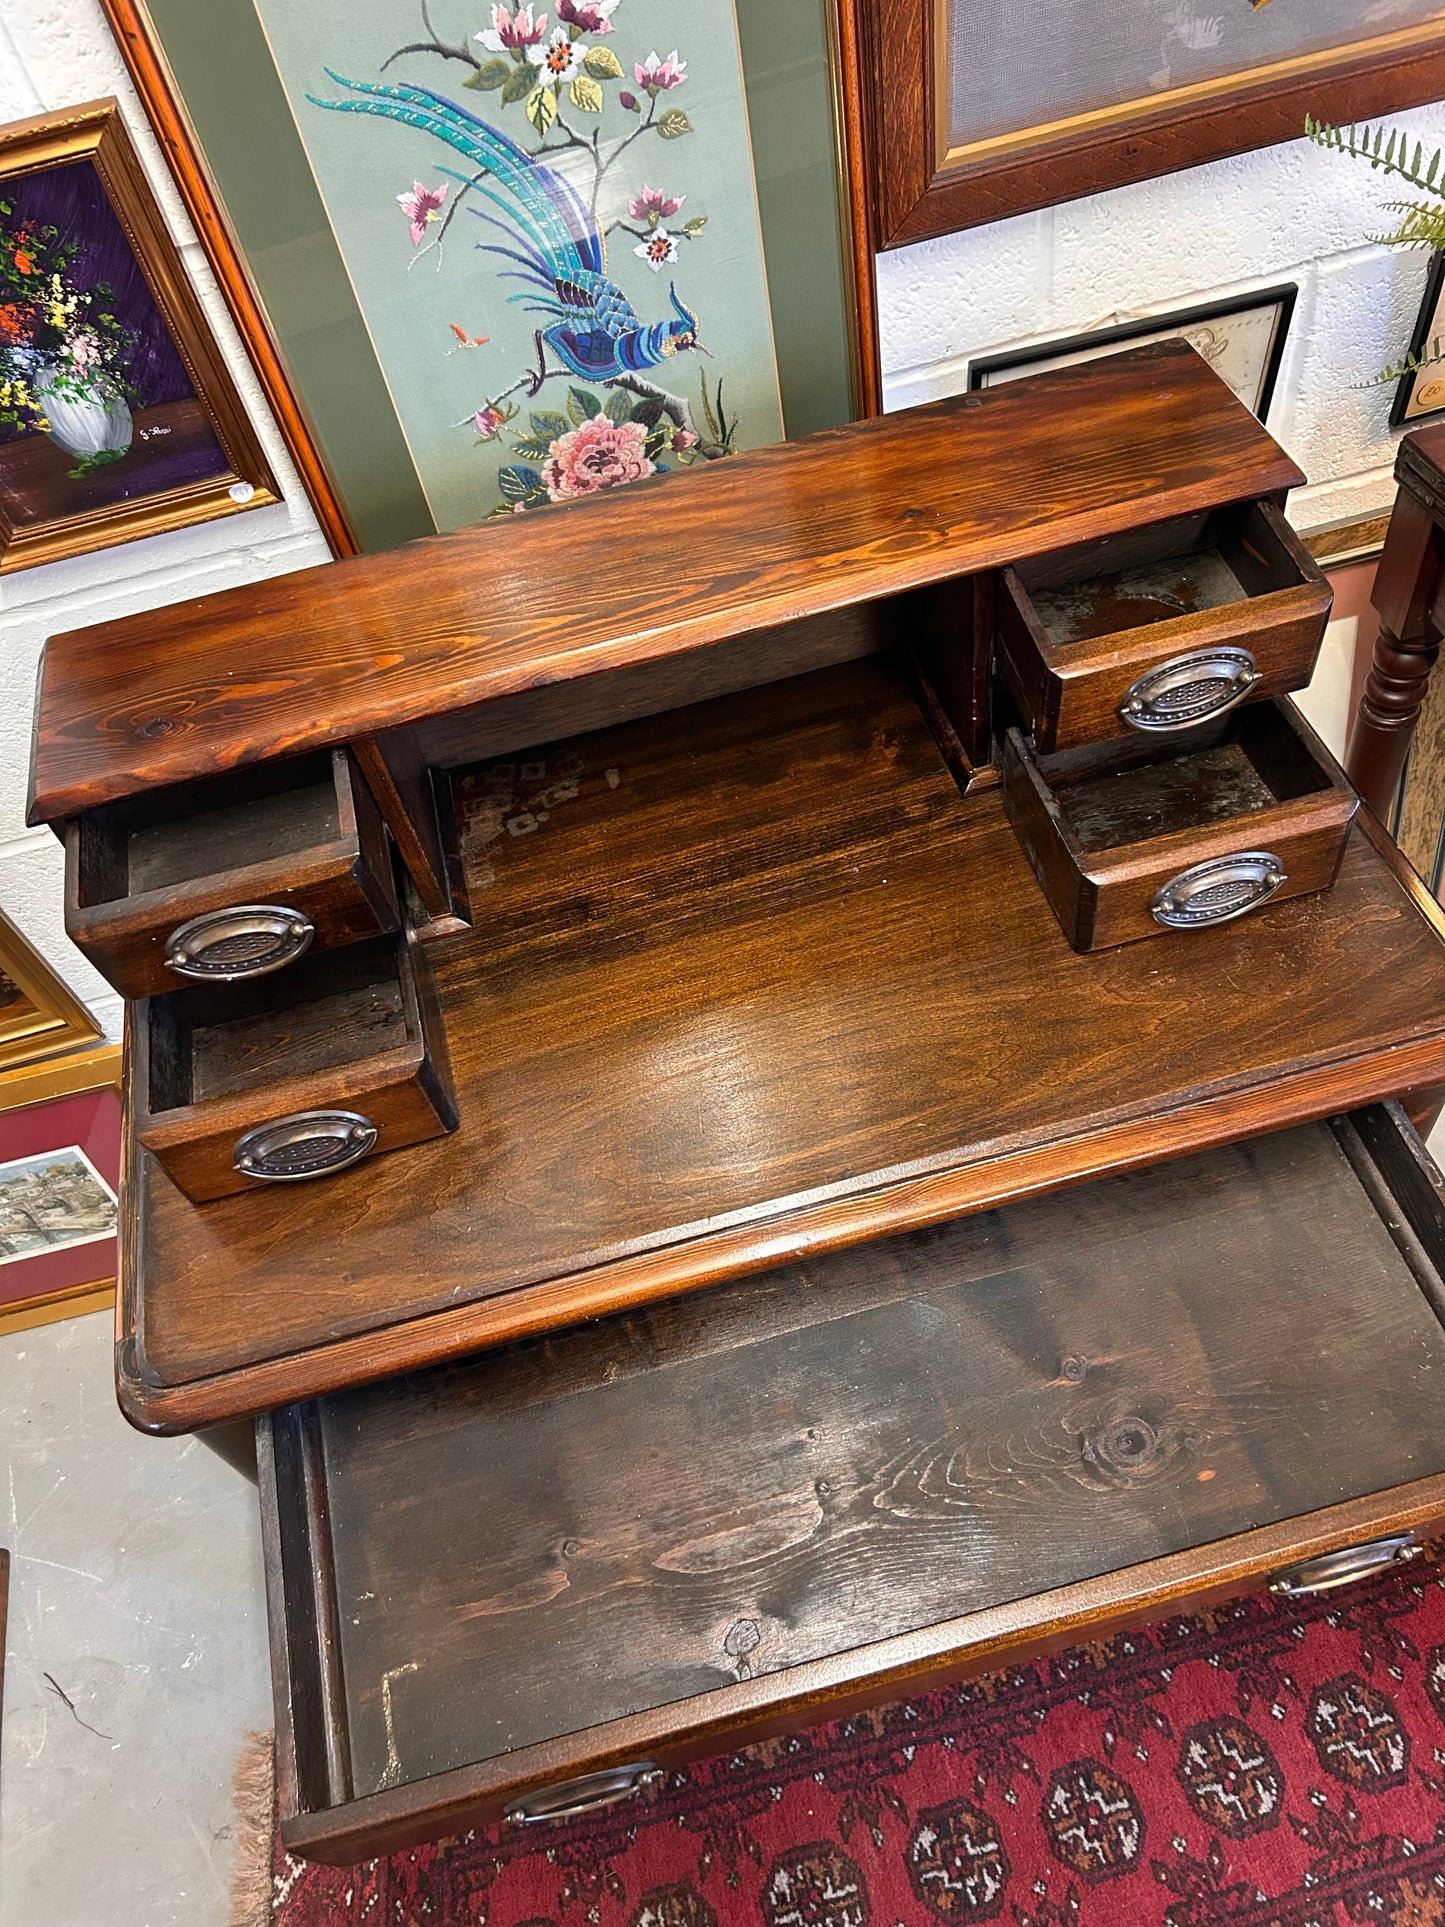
[551, 247]
[117, 416]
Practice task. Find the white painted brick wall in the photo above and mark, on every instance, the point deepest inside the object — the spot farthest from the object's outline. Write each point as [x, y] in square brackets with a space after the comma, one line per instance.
[1289, 213]
[55, 53]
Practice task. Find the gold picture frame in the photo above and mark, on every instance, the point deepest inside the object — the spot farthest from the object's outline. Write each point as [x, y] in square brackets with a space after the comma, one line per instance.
[118, 416]
[39, 1015]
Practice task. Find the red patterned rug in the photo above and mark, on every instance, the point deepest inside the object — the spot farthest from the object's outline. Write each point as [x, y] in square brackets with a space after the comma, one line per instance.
[1254, 1766]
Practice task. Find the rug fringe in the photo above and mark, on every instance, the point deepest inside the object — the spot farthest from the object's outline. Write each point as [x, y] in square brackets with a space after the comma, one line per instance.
[254, 1807]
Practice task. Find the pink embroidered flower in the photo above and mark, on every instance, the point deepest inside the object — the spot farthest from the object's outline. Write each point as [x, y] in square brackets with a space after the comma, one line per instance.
[630, 102]
[658, 250]
[560, 59]
[589, 16]
[419, 207]
[490, 422]
[657, 76]
[652, 200]
[600, 454]
[684, 438]
[514, 29]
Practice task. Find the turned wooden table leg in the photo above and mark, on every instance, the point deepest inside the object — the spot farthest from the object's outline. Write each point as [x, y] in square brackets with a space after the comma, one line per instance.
[1406, 585]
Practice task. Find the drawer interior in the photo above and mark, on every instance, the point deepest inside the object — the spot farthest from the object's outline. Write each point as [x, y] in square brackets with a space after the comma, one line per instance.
[1156, 574]
[164, 838]
[482, 1558]
[219, 1040]
[1248, 761]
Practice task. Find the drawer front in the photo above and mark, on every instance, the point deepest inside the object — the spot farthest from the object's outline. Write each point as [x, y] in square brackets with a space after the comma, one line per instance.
[1168, 675]
[295, 1077]
[1184, 838]
[765, 1507]
[230, 880]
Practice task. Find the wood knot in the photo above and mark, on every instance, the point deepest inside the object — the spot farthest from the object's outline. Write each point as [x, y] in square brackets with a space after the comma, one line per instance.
[1126, 1446]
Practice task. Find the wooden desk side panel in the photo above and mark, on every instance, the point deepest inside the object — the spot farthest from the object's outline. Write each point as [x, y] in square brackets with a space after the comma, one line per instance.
[745, 544]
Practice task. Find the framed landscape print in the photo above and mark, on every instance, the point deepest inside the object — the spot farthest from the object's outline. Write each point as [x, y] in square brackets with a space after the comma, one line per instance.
[969, 112]
[694, 156]
[1242, 340]
[117, 416]
[59, 1180]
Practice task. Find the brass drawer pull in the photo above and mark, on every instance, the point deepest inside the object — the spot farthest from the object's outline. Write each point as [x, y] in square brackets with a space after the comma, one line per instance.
[308, 1144]
[248, 940]
[1187, 689]
[1344, 1567]
[1216, 891]
[588, 1794]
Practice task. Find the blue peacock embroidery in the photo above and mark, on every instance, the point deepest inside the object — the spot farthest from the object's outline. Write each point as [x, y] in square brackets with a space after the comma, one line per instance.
[544, 233]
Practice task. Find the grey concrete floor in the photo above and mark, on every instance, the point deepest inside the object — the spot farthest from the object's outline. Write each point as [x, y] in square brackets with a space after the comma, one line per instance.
[136, 1586]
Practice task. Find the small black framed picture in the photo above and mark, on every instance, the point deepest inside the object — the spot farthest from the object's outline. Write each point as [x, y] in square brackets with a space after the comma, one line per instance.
[1242, 339]
[1422, 390]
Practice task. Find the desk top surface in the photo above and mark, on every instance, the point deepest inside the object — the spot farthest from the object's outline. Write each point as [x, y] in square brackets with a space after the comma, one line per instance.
[752, 981]
[802, 528]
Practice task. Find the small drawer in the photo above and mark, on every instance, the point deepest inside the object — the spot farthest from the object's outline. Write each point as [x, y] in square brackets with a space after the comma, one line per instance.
[293, 1076]
[1138, 839]
[1162, 628]
[231, 878]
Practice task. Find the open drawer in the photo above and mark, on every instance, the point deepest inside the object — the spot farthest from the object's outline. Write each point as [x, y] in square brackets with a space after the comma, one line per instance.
[1137, 839]
[294, 1076]
[229, 878]
[1162, 627]
[666, 1532]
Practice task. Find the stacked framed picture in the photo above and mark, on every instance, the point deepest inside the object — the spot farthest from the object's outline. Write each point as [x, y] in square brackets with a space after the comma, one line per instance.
[59, 1145]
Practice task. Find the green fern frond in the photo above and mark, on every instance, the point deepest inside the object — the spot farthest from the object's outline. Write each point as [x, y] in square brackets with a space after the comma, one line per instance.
[1411, 365]
[1385, 149]
[1422, 226]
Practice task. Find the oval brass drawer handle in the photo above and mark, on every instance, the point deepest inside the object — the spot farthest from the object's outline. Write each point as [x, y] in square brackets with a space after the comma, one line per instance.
[307, 1144]
[248, 940]
[1214, 892]
[1344, 1567]
[1187, 689]
[585, 1795]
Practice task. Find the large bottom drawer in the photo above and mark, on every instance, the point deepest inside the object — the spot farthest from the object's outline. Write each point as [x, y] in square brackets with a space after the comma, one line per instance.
[649, 1537]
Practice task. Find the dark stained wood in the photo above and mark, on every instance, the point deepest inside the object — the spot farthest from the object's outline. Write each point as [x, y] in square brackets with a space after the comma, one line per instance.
[872, 509]
[1107, 827]
[352, 1030]
[1407, 588]
[306, 836]
[4, 1607]
[1076, 631]
[396, 768]
[910, 193]
[886, 1446]
[761, 983]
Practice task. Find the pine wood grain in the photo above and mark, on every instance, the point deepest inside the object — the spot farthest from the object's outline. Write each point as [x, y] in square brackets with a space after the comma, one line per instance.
[722, 1500]
[761, 982]
[875, 508]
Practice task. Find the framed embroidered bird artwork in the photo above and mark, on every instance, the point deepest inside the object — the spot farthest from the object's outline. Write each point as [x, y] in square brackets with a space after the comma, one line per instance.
[535, 226]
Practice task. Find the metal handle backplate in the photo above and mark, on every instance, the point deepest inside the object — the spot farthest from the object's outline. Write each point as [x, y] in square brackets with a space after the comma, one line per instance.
[248, 940]
[1188, 689]
[307, 1144]
[585, 1795]
[1344, 1567]
[1218, 890]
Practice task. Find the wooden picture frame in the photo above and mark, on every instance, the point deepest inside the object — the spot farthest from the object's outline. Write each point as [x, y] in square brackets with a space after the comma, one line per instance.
[1205, 327]
[63, 1263]
[39, 1015]
[1420, 392]
[910, 183]
[79, 470]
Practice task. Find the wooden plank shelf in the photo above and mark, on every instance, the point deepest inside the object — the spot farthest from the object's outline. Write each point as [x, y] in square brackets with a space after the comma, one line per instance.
[769, 538]
[751, 981]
